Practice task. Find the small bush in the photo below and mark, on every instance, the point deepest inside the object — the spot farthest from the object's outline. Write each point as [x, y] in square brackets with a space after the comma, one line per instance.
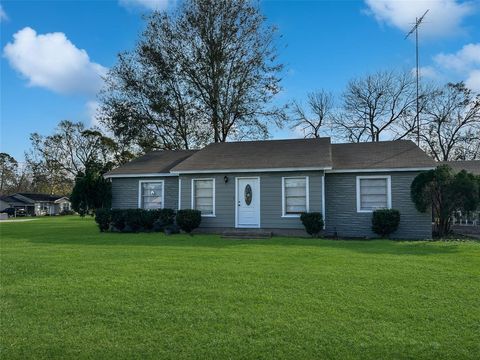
[66, 212]
[385, 221]
[313, 222]
[171, 229]
[188, 220]
[118, 219]
[103, 217]
[134, 220]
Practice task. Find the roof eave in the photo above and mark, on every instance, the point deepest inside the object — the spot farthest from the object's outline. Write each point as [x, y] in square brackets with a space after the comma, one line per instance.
[109, 176]
[334, 171]
[222, 171]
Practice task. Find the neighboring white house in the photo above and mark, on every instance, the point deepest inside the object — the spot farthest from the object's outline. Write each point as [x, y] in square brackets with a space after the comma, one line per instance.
[36, 204]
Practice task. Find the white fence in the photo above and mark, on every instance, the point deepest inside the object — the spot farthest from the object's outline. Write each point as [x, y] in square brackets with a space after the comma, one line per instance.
[471, 218]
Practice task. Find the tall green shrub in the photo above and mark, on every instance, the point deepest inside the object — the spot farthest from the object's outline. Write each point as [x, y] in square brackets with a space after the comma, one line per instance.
[103, 217]
[188, 220]
[313, 222]
[91, 190]
[445, 192]
[385, 221]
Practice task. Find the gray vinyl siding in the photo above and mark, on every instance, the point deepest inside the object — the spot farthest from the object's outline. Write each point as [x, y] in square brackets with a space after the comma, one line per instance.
[270, 198]
[125, 192]
[341, 208]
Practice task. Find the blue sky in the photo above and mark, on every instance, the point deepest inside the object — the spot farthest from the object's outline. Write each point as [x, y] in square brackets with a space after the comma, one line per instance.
[54, 52]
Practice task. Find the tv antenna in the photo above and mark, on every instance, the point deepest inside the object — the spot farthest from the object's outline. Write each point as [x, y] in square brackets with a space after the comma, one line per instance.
[418, 22]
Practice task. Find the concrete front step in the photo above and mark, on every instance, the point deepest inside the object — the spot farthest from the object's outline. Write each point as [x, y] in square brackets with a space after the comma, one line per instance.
[246, 234]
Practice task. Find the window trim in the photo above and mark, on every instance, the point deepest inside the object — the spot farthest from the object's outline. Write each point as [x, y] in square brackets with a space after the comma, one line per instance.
[389, 190]
[140, 182]
[179, 193]
[307, 196]
[193, 195]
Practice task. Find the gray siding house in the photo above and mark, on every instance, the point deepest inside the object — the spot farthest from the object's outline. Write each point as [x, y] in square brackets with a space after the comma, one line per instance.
[268, 184]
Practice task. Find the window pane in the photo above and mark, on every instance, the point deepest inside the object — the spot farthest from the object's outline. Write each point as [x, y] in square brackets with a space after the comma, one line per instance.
[373, 194]
[203, 196]
[152, 195]
[295, 195]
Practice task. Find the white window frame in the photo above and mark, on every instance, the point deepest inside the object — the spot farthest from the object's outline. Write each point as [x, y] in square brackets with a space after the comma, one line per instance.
[179, 193]
[193, 196]
[389, 191]
[140, 182]
[307, 196]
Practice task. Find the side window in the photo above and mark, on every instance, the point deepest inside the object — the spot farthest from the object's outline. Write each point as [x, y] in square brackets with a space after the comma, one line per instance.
[295, 195]
[373, 193]
[151, 195]
[203, 196]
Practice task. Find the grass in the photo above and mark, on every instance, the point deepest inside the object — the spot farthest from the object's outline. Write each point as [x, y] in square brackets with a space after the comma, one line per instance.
[68, 291]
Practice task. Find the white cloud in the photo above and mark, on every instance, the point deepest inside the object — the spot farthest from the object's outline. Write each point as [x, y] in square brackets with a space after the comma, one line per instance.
[147, 4]
[466, 58]
[3, 14]
[473, 80]
[53, 62]
[427, 72]
[464, 63]
[444, 17]
[92, 109]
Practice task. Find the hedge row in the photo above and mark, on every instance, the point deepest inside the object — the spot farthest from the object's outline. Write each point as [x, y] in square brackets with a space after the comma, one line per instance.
[140, 220]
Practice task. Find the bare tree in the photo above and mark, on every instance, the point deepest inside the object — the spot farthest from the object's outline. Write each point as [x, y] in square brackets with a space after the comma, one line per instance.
[311, 121]
[203, 73]
[451, 124]
[380, 105]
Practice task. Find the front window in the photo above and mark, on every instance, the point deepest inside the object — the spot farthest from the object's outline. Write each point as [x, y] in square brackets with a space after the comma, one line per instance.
[203, 196]
[295, 196]
[373, 193]
[151, 195]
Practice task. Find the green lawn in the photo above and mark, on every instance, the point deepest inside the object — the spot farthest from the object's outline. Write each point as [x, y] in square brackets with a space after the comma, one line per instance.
[68, 291]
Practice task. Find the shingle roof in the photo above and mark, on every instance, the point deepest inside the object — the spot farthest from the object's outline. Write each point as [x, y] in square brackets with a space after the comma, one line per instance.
[379, 155]
[472, 166]
[40, 197]
[10, 199]
[152, 162]
[256, 155]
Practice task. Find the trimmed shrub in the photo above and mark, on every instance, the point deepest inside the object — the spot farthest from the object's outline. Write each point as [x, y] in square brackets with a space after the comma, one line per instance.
[134, 220]
[188, 220]
[171, 229]
[313, 222]
[385, 221]
[103, 217]
[118, 219]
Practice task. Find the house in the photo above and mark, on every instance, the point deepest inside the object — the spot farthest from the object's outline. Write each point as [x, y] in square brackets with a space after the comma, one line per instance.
[36, 204]
[268, 184]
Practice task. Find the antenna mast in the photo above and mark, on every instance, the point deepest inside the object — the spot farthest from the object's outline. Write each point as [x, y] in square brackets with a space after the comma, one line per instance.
[418, 22]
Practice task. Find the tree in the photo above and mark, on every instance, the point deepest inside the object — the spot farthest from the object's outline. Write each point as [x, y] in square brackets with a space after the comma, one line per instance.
[55, 160]
[8, 173]
[206, 72]
[451, 124]
[379, 105]
[320, 106]
[445, 192]
[91, 190]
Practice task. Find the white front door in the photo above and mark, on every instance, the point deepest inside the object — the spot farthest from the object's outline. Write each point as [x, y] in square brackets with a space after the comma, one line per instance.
[248, 202]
